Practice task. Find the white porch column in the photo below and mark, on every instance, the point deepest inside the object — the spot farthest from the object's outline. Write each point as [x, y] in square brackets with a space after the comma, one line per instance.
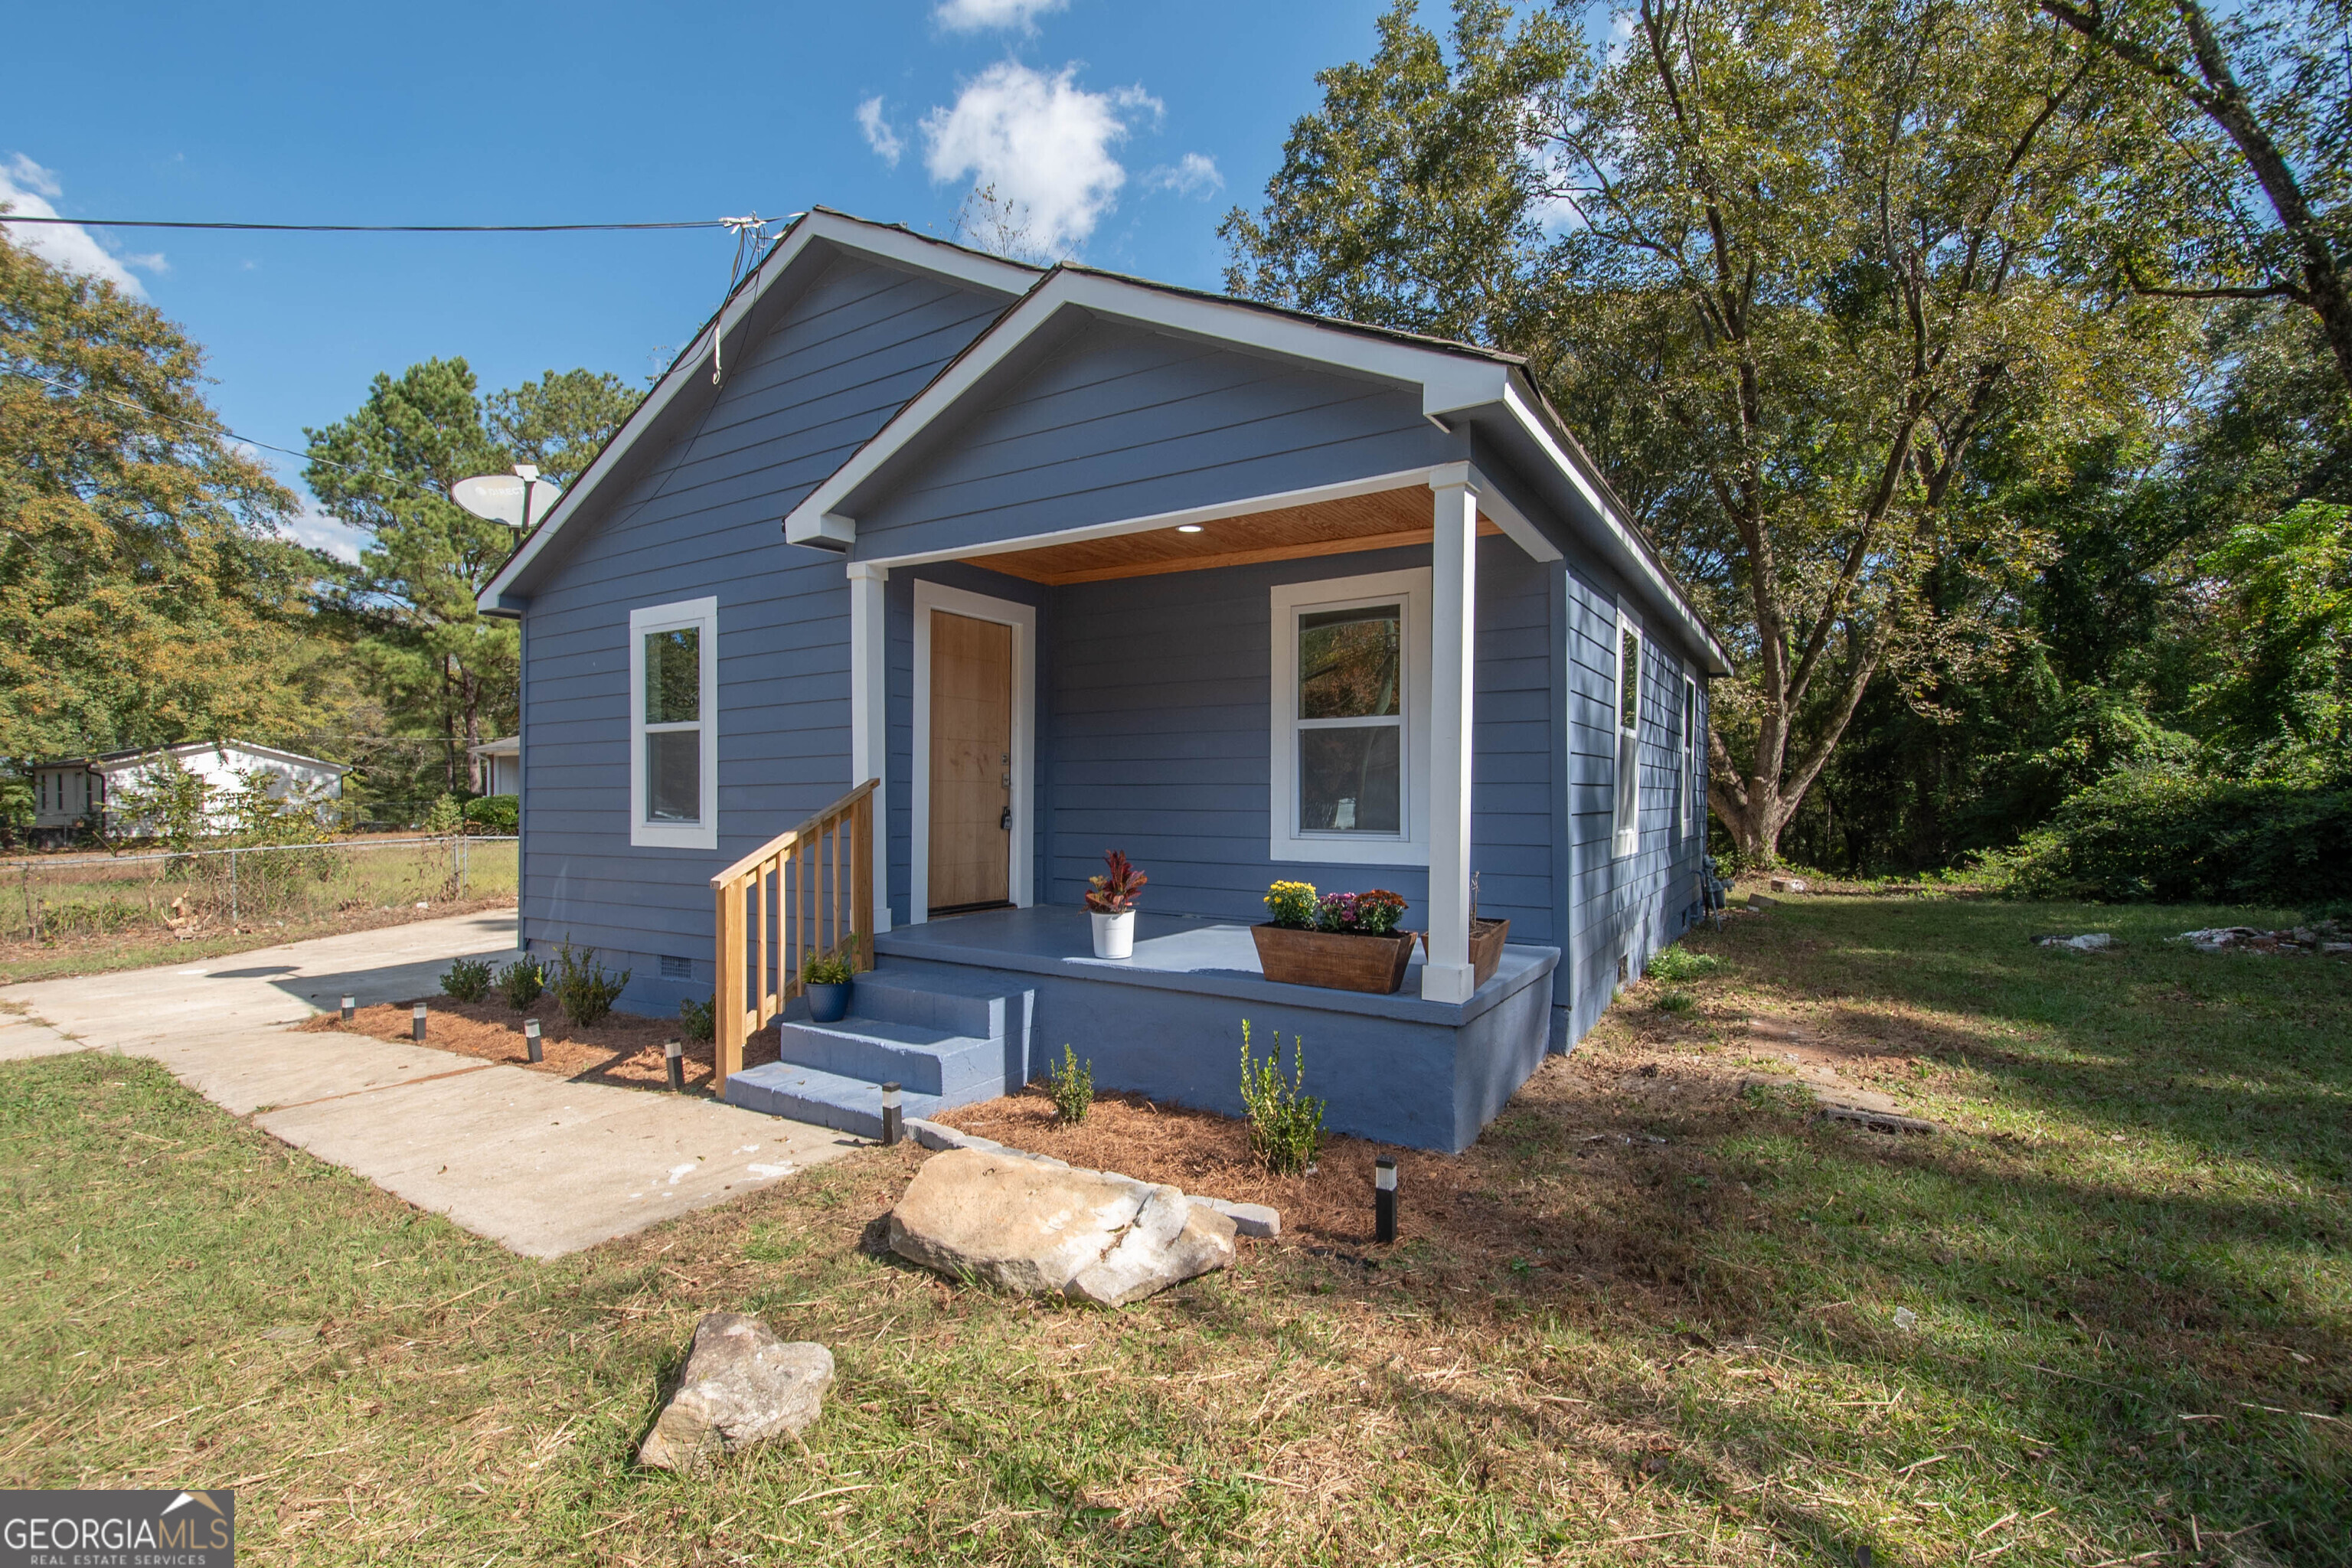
[1454, 585]
[870, 723]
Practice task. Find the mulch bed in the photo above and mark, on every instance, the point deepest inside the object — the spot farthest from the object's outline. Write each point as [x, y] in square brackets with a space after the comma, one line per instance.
[625, 1048]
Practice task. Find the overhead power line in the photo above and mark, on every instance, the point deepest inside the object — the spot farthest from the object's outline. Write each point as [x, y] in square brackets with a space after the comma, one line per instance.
[374, 227]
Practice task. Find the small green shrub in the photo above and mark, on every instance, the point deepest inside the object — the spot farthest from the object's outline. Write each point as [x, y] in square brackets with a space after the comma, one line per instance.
[698, 1020]
[1071, 1083]
[583, 987]
[469, 980]
[522, 982]
[2170, 837]
[837, 968]
[1676, 1002]
[493, 813]
[1677, 965]
[1285, 1123]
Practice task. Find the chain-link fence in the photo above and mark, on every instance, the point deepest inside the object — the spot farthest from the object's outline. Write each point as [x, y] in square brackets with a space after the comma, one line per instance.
[200, 893]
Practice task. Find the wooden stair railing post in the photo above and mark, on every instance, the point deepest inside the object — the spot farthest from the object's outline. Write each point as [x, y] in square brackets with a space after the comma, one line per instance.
[812, 913]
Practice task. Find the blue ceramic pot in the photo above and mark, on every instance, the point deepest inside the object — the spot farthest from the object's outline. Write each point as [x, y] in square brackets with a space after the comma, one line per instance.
[829, 1003]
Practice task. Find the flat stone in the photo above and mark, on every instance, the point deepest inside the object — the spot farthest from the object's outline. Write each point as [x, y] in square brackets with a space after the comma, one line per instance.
[1036, 1229]
[742, 1385]
[1759, 901]
[1260, 1222]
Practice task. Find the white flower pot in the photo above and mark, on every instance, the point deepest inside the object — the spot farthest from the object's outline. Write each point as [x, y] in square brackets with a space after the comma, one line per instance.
[1114, 934]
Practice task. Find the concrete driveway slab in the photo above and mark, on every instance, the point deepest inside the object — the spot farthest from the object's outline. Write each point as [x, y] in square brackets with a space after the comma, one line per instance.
[541, 1164]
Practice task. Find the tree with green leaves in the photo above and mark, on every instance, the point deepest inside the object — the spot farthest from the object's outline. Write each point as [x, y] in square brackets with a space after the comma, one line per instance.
[147, 594]
[1794, 269]
[387, 469]
[2240, 189]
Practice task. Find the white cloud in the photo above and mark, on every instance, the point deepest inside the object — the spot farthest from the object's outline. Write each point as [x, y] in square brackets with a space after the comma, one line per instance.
[879, 135]
[1193, 174]
[972, 15]
[1043, 141]
[317, 530]
[26, 187]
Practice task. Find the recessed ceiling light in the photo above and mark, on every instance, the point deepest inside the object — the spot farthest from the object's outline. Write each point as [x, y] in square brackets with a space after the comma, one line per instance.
[1187, 528]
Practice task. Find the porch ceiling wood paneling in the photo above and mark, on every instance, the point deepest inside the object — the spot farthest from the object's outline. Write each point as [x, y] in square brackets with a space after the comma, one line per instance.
[1376, 522]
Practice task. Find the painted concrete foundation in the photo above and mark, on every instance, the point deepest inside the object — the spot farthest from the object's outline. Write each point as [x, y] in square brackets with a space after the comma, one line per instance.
[1167, 1022]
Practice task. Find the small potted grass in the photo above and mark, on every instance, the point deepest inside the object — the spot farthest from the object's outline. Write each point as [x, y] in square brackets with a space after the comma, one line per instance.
[1110, 900]
[828, 979]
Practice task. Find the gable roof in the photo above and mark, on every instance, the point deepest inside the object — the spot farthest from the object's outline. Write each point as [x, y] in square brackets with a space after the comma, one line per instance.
[1460, 385]
[110, 762]
[818, 228]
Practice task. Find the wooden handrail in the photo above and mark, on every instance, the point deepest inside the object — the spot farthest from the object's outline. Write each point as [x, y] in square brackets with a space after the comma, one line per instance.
[817, 882]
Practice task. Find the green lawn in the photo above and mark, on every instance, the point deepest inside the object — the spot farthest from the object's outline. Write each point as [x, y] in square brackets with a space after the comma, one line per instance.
[2126, 1267]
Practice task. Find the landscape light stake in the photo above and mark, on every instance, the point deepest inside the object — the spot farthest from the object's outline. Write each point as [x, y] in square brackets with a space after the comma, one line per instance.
[890, 1123]
[1384, 1199]
[531, 1038]
[675, 1055]
[417, 1023]
[350, 1006]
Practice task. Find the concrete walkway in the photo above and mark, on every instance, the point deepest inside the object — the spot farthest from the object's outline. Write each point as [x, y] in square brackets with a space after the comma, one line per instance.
[540, 1164]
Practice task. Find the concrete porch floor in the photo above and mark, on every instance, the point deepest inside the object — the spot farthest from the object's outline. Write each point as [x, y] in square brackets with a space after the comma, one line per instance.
[1179, 952]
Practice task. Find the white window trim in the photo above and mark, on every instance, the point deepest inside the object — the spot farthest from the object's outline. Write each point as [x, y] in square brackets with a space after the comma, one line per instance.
[1626, 800]
[1692, 777]
[1023, 618]
[703, 614]
[1285, 842]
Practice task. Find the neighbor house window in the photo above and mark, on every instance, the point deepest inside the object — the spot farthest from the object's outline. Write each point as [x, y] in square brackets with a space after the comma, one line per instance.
[1629, 739]
[1694, 765]
[1350, 742]
[674, 725]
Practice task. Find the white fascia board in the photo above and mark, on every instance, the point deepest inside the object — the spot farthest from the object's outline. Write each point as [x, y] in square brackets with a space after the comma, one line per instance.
[1633, 549]
[1448, 382]
[885, 244]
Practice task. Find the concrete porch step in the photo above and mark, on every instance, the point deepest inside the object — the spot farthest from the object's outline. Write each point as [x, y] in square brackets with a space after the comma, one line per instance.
[936, 999]
[926, 1060]
[850, 1105]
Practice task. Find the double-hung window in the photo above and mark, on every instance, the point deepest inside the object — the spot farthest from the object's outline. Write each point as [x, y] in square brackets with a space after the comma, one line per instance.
[1350, 729]
[1628, 816]
[674, 725]
[1693, 763]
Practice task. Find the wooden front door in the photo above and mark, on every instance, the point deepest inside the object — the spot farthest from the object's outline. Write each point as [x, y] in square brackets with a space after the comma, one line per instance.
[972, 763]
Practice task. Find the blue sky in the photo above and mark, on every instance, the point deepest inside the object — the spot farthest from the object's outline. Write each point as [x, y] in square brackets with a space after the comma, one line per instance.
[1127, 129]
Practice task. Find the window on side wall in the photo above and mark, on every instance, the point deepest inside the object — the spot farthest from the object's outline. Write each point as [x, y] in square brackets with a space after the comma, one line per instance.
[1694, 763]
[1628, 836]
[674, 725]
[1351, 748]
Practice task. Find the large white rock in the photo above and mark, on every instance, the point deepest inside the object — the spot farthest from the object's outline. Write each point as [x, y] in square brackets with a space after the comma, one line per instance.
[1045, 1230]
[742, 1385]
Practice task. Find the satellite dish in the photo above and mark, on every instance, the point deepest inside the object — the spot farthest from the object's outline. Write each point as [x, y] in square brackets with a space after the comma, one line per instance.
[514, 499]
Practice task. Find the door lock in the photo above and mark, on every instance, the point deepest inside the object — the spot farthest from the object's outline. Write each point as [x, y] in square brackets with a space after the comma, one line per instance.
[1005, 822]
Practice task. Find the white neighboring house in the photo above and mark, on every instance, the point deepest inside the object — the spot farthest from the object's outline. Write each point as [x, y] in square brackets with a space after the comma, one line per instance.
[502, 765]
[71, 790]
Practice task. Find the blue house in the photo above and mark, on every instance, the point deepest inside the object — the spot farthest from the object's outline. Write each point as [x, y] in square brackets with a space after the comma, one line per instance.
[924, 578]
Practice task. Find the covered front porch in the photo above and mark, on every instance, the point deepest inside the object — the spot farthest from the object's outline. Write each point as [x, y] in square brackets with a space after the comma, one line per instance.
[1167, 1023]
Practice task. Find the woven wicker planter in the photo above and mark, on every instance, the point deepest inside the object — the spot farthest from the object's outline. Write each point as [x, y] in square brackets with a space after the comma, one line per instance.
[1340, 960]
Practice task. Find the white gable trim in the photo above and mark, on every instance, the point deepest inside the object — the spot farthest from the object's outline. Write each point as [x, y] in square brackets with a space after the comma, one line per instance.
[888, 244]
[1635, 550]
[1449, 382]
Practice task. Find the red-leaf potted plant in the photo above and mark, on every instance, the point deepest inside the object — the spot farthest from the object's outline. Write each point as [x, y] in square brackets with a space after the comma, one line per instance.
[1110, 900]
[1349, 942]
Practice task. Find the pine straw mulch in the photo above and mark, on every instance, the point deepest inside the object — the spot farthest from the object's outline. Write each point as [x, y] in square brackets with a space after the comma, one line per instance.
[625, 1048]
[1601, 1168]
